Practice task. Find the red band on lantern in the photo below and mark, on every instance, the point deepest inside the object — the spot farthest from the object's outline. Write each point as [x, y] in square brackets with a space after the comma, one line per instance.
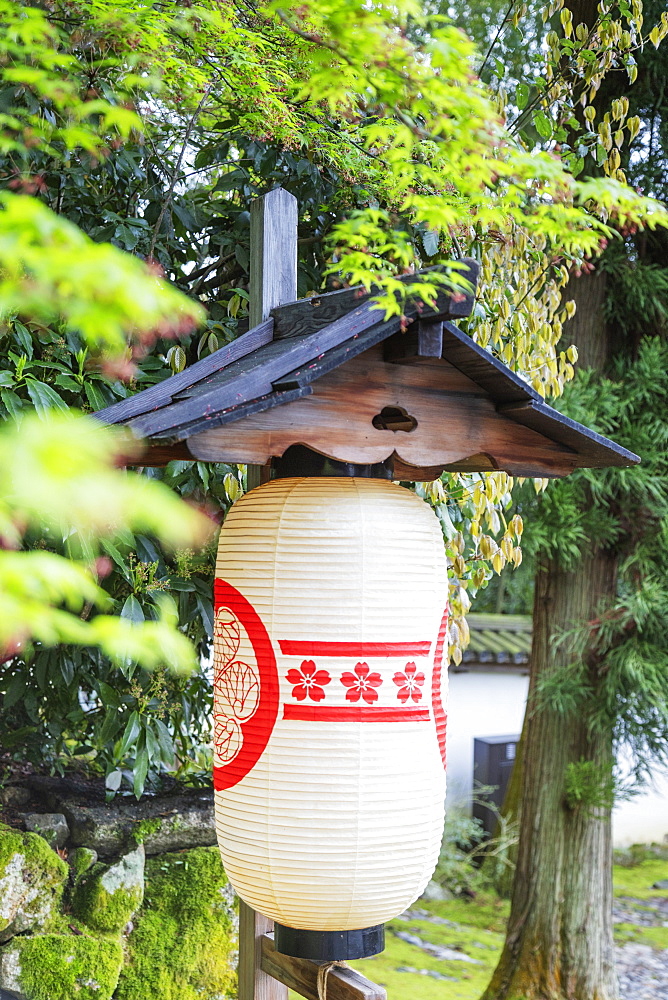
[354, 713]
[256, 730]
[290, 647]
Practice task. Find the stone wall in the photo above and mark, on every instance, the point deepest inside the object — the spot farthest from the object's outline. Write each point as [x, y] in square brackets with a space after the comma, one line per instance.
[125, 900]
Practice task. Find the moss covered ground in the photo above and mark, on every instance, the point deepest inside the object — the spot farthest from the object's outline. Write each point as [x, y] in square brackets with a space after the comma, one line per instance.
[476, 928]
[637, 880]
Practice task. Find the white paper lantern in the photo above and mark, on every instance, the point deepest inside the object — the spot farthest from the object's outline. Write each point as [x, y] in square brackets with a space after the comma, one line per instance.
[329, 724]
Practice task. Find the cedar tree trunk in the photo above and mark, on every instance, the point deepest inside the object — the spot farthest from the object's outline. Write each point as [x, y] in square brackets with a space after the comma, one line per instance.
[559, 943]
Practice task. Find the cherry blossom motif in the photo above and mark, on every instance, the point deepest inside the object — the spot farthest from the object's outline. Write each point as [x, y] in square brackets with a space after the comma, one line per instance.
[227, 739]
[361, 684]
[409, 683]
[308, 681]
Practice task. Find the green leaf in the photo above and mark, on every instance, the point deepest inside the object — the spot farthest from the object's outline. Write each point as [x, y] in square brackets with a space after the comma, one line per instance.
[175, 583]
[132, 609]
[67, 382]
[140, 772]
[577, 166]
[13, 402]
[95, 396]
[113, 781]
[522, 96]
[110, 727]
[44, 397]
[66, 668]
[132, 730]
[430, 240]
[108, 695]
[448, 527]
[23, 338]
[542, 124]
[152, 744]
[206, 610]
[114, 554]
[166, 743]
[15, 690]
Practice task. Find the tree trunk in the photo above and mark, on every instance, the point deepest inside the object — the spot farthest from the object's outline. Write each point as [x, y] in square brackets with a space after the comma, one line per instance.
[559, 943]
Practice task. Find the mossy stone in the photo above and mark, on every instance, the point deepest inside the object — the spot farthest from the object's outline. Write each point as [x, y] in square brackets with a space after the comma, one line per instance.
[106, 896]
[51, 826]
[32, 877]
[80, 860]
[61, 967]
[184, 943]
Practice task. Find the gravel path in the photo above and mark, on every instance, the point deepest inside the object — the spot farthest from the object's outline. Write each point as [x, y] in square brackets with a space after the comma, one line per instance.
[643, 972]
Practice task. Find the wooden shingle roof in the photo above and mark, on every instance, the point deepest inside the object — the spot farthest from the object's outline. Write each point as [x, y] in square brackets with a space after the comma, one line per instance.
[323, 371]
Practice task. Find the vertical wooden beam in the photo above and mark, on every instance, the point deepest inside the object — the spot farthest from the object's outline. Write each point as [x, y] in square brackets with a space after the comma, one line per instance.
[254, 984]
[273, 281]
[273, 253]
[253, 479]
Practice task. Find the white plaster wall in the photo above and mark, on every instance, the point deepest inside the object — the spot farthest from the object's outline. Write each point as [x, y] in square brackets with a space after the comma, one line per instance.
[482, 704]
[643, 818]
[479, 705]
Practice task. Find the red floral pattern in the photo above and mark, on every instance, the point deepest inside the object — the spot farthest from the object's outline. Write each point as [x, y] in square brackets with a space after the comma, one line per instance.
[361, 684]
[309, 682]
[409, 683]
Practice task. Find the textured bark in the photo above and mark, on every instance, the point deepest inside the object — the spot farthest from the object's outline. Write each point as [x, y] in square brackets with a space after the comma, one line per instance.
[559, 942]
[587, 330]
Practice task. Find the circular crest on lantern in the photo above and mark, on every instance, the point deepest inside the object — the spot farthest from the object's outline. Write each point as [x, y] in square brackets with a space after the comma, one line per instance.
[246, 686]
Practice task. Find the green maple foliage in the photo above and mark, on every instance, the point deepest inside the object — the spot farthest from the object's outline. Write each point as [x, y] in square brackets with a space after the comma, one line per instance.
[150, 127]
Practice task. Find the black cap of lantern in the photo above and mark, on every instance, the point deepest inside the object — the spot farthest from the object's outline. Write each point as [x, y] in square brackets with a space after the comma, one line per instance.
[329, 946]
[299, 460]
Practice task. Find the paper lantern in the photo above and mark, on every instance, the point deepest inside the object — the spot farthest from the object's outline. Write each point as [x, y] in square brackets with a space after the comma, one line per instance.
[329, 725]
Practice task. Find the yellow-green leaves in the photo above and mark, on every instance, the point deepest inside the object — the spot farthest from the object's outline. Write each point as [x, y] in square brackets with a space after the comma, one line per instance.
[479, 540]
[59, 475]
[33, 60]
[50, 271]
[440, 154]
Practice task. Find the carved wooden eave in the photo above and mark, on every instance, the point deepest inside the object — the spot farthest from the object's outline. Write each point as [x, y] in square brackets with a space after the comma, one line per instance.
[332, 374]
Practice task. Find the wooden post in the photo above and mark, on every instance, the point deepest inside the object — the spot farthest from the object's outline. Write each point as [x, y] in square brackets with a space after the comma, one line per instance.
[273, 266]
[273, 253]
[254, 983]
[264, 974]
[273, 281]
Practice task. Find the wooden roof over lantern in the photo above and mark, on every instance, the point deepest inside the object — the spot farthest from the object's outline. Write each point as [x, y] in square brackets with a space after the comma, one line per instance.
[331, 373]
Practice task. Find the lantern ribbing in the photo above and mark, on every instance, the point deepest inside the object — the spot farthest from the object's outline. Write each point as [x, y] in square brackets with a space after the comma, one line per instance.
[328, 771]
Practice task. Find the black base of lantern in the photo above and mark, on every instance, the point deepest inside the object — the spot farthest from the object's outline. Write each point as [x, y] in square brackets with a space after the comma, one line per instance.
[329, 946]
[298, 460]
